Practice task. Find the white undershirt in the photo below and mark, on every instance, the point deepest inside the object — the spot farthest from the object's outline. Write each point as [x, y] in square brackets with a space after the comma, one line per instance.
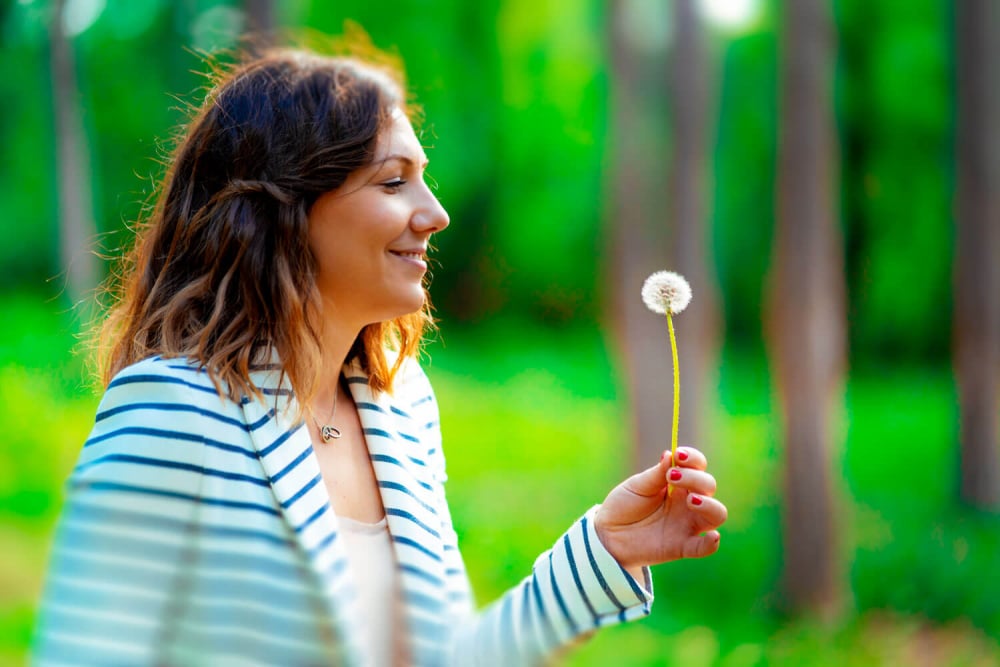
[371, 558]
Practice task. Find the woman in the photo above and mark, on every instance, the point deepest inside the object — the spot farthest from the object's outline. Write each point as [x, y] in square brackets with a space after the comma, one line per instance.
[263, 484]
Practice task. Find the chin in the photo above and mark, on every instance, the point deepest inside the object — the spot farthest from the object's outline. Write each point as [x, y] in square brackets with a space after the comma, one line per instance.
[406, 306]
[415, 308]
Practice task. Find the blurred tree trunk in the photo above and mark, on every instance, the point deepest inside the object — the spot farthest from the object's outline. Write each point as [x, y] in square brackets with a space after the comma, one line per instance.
[977, 249]
[261, 21]
[806, 319]
[77, 229]
[638, 247]
[697, 329]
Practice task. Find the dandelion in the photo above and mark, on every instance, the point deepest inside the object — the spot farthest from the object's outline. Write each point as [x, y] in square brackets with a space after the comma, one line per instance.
[667, 293]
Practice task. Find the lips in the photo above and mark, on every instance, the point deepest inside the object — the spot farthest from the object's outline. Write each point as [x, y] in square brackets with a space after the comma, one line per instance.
[409, 254]
[414, 256]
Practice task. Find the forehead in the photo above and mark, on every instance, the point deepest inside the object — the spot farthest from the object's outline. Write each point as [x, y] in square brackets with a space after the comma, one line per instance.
[398, 138]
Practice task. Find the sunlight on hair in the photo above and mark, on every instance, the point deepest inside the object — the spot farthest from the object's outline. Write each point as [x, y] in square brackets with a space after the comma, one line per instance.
[731, 15]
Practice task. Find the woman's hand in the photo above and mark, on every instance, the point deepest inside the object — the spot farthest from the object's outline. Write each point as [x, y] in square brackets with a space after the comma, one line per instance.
[639, 524]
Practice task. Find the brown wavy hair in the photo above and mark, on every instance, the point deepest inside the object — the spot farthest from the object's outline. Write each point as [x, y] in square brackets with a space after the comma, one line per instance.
[221, 272]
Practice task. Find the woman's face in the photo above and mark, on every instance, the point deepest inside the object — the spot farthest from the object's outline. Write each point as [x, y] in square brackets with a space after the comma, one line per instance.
[370, 235]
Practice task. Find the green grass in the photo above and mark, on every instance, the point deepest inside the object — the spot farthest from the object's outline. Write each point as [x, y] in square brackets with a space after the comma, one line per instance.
[534, 429]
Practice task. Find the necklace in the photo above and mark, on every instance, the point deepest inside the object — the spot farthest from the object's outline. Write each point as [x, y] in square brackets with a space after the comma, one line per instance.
[328, 430]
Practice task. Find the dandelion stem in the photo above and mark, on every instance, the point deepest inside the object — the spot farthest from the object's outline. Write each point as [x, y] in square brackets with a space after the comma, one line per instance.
[677, 394]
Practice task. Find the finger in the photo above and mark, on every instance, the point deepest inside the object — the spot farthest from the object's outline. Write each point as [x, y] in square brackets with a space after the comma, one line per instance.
[650, 482]
[700, 546]
[696, 481]
[689, 457]
[712, 512]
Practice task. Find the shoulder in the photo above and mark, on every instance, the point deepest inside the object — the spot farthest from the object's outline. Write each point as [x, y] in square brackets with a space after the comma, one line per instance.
[162, 381]
[150, 430]
[157, 376]
[161, 374]
[171, 394]
[164, 419]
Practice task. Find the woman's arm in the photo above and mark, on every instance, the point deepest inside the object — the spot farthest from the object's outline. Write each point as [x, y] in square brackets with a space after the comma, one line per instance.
[574, 588]
[595, 574]
[121, 544]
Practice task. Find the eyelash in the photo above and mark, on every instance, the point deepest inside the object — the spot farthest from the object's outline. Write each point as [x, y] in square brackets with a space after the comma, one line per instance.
[394, 185]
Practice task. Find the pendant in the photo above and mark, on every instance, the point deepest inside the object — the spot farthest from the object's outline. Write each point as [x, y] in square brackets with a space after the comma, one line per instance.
[330, 433]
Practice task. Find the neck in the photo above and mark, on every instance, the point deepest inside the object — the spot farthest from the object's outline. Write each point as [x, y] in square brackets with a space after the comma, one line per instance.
[336, 342]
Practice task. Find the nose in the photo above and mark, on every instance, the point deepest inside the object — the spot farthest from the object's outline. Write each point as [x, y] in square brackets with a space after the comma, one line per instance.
[430, 216]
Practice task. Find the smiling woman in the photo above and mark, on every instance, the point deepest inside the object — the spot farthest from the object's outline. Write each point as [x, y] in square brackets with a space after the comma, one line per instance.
[264, 482]
[370, 236]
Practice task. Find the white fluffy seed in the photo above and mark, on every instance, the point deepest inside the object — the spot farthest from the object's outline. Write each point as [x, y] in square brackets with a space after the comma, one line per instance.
[666, 291]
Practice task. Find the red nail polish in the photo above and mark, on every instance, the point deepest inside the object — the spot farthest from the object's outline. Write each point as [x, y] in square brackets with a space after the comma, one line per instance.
[695, 500]
[663, 456]
[682, 456]
[675, 475]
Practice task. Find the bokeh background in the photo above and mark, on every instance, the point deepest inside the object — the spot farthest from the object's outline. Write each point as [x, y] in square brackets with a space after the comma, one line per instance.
[578, 145]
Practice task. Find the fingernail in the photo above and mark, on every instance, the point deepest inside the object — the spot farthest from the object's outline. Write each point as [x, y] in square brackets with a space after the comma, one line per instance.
[682, 456]
[695, 500]
[663, 455]
[675, 475]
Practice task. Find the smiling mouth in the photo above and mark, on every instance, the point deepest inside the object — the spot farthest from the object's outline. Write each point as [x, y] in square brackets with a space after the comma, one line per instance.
[409, 255]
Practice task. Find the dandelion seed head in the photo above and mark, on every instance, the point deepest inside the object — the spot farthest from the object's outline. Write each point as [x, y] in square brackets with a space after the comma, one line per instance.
[666, 291]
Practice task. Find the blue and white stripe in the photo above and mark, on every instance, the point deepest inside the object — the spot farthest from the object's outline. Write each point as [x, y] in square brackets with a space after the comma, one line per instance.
[198, 531]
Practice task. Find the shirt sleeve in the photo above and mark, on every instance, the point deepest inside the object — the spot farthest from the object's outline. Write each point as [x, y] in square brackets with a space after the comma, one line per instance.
[574, 588]
[121, 543]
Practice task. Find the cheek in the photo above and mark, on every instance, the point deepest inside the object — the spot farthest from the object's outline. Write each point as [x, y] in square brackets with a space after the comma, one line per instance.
[348, 264]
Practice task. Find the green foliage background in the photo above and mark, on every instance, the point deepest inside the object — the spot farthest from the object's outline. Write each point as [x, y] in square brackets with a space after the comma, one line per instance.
[516, 95]
[516, 99]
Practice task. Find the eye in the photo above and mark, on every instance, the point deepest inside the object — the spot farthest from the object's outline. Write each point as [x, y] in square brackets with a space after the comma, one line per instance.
[394, 184]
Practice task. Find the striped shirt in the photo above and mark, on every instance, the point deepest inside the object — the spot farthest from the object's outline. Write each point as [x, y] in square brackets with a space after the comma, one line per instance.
[197, 531]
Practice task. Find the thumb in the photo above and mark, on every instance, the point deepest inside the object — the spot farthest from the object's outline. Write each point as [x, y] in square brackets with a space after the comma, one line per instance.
[652, 480]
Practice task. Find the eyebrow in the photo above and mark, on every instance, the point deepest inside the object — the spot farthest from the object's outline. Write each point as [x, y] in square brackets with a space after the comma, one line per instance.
[401, 158]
